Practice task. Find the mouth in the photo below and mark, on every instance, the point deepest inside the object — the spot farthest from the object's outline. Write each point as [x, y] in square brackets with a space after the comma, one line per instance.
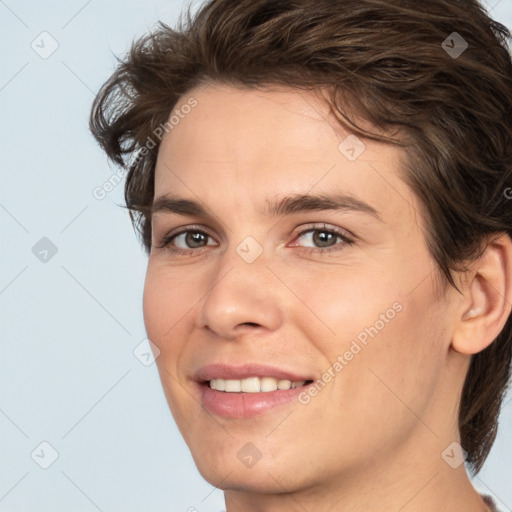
[250, 389]
[254, 384]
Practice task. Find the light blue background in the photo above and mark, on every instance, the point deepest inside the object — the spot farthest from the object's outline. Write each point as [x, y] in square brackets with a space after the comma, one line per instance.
[68, 375]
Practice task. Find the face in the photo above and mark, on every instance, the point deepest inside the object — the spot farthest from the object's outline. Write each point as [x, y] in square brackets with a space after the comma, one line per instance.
[258, 288]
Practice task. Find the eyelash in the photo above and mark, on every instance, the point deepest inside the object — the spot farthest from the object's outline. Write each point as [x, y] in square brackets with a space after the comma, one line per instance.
[166, 240]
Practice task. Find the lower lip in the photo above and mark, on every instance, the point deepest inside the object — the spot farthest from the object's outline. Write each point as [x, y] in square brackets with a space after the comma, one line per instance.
[246, 405]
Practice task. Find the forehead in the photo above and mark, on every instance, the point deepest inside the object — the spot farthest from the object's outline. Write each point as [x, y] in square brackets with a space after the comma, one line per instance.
[267, 143]
[247, 121]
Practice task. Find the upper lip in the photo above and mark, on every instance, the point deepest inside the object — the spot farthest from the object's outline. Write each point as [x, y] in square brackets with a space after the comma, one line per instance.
[238, 372]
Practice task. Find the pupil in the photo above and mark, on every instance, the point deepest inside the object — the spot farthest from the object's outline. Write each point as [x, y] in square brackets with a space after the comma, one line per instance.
[319, 239]
[194, 238]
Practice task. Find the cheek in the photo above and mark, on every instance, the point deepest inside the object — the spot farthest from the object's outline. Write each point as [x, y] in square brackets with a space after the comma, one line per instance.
[166, 302]
[167, 299]
[393, 377]
[155, 306]
[339, 304]
[165, 307]
[391, 340]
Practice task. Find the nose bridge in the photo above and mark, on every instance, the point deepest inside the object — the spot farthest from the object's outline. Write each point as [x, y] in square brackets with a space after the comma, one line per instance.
[248, 247]
[239, 293]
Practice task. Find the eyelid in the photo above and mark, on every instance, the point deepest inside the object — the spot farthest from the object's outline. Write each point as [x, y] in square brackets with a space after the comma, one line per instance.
[301, 230]
[313, 226]
[165, 240]
[347, 237]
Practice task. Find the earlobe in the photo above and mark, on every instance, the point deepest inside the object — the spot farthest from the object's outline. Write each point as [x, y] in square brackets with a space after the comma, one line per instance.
[487, 298]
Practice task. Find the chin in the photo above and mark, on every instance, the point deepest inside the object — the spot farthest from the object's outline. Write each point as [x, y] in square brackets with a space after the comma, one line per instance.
[223, 467]
[258, 479]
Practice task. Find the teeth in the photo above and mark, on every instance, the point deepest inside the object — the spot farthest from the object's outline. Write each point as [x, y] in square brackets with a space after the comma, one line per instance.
[254, 384]
[268, 384]
[220, 384]
[251, 385]
[284, 384]
[232, 386]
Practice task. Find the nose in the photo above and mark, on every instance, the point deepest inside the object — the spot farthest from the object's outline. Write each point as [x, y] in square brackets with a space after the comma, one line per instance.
[242, 297]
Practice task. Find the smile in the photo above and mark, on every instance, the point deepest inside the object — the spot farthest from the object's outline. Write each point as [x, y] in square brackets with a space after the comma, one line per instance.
[254, 384]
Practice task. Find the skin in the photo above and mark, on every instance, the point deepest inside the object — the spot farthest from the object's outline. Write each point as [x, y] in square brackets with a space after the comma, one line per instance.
[373, 438]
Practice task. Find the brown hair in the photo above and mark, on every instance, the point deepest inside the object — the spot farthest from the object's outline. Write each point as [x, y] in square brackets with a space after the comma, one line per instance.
[393, 63]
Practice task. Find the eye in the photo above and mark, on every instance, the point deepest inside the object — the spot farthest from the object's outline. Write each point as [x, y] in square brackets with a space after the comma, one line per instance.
[325, 239]
[194, 240]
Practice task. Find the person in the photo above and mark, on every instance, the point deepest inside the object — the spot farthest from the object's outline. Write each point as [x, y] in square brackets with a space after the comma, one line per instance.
[323, 191]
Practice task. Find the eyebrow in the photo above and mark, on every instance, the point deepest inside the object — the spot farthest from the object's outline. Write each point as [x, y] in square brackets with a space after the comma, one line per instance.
[289, 205]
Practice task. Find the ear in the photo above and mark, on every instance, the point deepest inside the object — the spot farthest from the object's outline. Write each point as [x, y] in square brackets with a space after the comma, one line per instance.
[487, 298]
